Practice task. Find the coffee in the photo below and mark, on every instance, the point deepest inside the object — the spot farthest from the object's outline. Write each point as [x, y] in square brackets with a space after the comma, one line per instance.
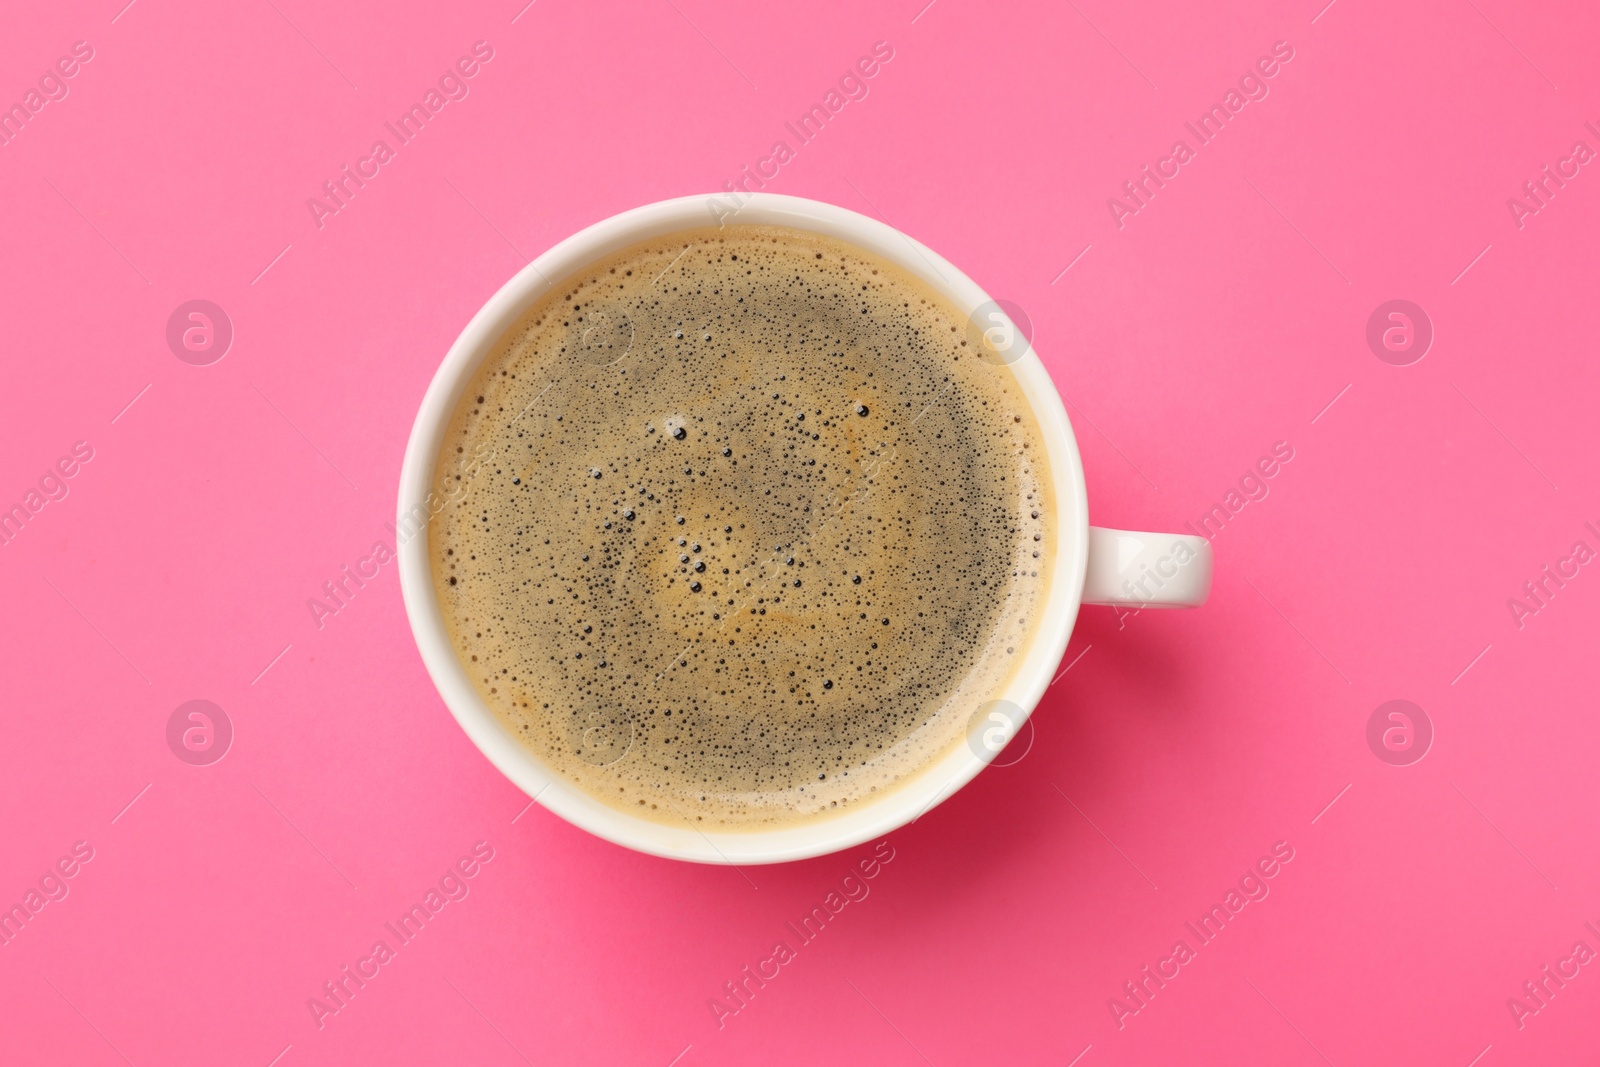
[743, 528]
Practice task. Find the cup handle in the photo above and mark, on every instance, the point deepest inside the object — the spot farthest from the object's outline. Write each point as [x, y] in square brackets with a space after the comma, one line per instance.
[1147, 570]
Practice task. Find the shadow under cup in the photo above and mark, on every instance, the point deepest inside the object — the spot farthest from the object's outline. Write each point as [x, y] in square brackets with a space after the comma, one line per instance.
[988, 729]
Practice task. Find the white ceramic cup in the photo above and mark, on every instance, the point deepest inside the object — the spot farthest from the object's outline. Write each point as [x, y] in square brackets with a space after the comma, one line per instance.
[1092, 566]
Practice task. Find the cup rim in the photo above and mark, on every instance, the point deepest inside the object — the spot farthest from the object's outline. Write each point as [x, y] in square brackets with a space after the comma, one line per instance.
[867, 819]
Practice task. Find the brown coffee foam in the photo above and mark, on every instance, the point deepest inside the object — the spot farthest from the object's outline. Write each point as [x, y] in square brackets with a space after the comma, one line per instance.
[710, 705]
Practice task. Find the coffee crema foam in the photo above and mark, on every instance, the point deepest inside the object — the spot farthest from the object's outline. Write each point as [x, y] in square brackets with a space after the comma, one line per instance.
[744, 528]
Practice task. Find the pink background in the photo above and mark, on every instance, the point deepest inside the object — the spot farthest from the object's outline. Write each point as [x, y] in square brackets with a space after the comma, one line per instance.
[1223, 317]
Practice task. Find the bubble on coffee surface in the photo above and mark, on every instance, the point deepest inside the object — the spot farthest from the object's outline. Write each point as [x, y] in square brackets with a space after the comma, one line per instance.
[741, 528]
